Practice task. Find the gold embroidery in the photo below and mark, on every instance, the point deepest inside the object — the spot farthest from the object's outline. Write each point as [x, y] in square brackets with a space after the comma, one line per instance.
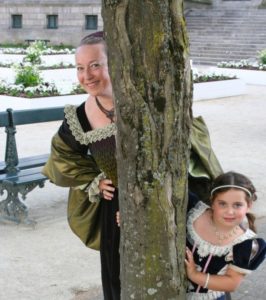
[91, 136]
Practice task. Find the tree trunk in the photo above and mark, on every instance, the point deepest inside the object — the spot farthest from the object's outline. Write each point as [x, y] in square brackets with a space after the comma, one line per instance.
[150, 71]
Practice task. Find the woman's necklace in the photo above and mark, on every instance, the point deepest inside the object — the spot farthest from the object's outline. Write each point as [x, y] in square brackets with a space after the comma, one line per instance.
[109, 113]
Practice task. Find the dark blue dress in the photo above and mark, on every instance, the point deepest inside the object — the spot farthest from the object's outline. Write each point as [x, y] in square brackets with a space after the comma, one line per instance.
[244, 255]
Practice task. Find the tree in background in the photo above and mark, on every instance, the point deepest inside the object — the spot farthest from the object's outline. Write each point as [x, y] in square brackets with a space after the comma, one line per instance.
[150, 71]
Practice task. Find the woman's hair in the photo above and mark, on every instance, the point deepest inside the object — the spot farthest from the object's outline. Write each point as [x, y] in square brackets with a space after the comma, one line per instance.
[94, 38]
[233, 180]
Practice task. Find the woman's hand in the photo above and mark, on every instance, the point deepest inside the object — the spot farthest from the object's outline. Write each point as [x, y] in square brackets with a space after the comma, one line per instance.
[106, 189]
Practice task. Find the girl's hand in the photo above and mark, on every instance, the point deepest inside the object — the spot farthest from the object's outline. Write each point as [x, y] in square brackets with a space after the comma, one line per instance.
[190, 265]
[106, 189]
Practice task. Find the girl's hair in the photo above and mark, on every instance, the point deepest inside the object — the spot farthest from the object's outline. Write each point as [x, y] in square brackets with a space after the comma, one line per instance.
[94, 38]
[233, 180]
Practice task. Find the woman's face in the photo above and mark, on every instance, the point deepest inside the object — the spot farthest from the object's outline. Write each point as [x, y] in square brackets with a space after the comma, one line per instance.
[92, 70]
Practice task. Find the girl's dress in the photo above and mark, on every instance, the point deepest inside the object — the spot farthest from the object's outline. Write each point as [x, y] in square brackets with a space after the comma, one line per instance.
[244, 255]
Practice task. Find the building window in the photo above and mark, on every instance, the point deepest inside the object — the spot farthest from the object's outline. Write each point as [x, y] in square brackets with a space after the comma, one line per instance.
[91, 22]
[16, 21]
[52, 21]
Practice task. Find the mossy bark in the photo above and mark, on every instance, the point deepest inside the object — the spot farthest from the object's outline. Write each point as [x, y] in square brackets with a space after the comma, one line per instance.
[150, 71]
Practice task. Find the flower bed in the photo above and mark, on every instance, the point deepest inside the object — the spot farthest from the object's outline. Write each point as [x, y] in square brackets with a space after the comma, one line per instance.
[47, 51]
[29, 82]
[61, 65]
[243, 65]
[18, 90]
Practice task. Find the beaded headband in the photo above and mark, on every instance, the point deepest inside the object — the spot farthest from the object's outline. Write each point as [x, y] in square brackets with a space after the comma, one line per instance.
[231, 186]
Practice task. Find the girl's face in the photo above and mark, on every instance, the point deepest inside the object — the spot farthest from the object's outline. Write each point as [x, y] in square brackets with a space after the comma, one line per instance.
[229, 208]
[92, 70]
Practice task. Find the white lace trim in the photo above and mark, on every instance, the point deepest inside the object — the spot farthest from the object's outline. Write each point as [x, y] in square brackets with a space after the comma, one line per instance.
[240, 270]
[91, 136]
[93, 189]
[211, 295]
[205, 248]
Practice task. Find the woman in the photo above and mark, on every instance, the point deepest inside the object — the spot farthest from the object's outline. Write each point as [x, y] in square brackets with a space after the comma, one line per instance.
[83, 158]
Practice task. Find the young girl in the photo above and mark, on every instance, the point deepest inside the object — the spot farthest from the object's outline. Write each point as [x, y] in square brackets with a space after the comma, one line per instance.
[220, 249]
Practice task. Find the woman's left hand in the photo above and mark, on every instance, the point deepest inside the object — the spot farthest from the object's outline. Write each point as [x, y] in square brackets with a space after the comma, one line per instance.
[107, 189]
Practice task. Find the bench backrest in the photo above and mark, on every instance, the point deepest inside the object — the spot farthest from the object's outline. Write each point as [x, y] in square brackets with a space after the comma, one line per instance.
[11, 118]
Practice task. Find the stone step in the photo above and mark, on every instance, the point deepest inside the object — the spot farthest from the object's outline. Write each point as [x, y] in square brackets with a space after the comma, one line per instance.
[223, 51]
[228, 30]
[226, 44]
[239, 54]
[224, 57]
[235, 54]
[223, 14]
[244, 15]
[226, 26]
[225, 34]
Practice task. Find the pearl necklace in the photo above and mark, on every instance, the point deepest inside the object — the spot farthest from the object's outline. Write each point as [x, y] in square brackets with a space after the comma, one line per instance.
[223, 236]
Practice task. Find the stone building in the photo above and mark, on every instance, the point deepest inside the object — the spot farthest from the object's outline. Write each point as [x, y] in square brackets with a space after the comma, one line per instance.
[59, 21]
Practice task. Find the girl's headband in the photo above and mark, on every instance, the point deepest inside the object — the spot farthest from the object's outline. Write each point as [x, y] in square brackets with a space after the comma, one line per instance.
[231, 186]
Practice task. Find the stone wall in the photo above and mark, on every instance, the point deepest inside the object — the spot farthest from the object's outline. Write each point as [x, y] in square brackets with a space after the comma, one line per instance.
[71, 20]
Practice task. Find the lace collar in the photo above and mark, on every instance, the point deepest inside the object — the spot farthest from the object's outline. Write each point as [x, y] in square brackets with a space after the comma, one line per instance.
[91, 136]
[205, 248]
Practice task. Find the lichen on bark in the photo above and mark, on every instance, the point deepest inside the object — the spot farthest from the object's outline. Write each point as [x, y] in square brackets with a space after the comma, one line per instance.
[150, 71]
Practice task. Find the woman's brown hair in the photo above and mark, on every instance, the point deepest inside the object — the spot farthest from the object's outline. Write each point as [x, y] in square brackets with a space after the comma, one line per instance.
[94, 38]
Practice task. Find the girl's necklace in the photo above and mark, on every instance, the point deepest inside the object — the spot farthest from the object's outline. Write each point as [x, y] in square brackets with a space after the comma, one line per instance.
[222, 236]
[109, 113]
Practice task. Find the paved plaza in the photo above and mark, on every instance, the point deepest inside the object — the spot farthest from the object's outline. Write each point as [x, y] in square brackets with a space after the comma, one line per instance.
[47, 261]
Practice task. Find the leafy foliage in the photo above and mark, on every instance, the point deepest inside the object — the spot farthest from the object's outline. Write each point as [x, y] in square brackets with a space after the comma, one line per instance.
[34, 52]
[27, 75]
[262, 57]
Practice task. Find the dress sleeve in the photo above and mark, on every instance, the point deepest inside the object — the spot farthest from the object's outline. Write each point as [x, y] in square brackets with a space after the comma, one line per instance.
[248, 255]
[68, 168]
[192, 201]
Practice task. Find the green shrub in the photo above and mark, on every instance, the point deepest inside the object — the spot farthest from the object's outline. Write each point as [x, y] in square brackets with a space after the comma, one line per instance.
[11, 45]
[62, 47]
[34, 52]
[27, 75]
[262, 56]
